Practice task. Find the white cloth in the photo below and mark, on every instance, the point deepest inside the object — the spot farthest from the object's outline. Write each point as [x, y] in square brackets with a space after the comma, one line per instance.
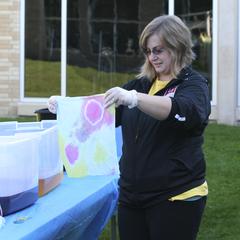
[86, 133]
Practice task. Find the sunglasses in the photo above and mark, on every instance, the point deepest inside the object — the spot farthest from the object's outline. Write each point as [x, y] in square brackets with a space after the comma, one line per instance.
[155, 51]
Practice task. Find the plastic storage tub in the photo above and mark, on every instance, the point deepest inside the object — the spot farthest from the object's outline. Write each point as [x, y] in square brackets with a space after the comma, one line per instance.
[8, 128]
[48, 123]
[18, 172]
[50, 164]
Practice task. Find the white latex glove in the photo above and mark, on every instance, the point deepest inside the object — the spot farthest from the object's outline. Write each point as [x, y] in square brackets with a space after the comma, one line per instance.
[52, 103]
[120, 96]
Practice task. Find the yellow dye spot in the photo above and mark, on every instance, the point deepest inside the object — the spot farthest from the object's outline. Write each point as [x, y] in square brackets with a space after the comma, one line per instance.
[100, 154]
[80, 170]
[112, 109]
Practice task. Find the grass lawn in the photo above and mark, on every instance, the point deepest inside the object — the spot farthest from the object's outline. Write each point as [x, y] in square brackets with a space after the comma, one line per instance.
[43, 79]
[19, 119]
[221, 219]
[222, 216]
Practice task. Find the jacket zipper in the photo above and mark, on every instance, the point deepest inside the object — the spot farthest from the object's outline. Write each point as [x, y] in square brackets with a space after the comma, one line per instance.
[137, 135]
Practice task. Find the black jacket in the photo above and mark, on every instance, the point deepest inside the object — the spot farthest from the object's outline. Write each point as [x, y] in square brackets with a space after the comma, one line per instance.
[161, 159]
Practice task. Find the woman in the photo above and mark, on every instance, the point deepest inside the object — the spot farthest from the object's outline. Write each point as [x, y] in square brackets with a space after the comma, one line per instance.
[163, 114]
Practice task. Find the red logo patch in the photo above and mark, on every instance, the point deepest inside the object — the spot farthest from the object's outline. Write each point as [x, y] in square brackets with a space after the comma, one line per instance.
[170, 92]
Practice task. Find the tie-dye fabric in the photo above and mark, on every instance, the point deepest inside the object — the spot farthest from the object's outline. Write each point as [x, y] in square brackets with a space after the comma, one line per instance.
[86, 132]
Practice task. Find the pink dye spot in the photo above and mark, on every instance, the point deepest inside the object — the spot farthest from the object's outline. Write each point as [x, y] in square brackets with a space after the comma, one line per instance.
[93, 112]
[72, 153]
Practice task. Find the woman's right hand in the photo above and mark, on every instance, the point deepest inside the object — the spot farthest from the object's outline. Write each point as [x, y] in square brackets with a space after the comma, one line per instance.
[120, 96]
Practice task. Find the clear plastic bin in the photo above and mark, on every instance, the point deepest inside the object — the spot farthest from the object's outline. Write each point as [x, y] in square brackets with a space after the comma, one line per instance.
[8, 128]
[48, 123]
[19, 158]
[28, 126]
[50, 165]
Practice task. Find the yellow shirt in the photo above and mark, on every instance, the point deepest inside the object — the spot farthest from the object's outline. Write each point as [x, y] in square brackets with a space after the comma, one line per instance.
[201, 190]
[157, 86]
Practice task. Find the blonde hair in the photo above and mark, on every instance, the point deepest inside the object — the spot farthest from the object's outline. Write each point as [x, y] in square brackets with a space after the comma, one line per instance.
[176, 38]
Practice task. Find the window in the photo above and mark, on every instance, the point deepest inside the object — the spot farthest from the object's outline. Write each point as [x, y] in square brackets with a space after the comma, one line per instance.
[109, 21]
[101, 42]
[198, 16]
[42, 48]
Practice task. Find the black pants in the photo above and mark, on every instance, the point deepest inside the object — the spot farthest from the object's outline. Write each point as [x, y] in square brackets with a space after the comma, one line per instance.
[177, 220]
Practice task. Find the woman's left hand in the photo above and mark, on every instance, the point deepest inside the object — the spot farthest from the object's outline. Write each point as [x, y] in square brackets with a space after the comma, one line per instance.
[120, 96]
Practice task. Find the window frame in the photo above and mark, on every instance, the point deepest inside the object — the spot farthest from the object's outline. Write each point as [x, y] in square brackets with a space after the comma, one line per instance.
[214, 51]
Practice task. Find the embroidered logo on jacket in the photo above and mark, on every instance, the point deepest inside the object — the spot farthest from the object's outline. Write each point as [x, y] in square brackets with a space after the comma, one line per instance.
[179, 118]
[170, 92]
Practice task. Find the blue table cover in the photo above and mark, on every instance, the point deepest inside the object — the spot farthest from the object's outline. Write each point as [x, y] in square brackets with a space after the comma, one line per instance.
[78, 208]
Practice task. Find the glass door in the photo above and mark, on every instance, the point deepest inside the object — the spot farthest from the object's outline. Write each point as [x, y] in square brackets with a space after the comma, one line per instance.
[42, 48]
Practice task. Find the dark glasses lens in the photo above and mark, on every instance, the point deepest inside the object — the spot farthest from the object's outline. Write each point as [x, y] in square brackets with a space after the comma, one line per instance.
[145, 51]
[156, 50]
